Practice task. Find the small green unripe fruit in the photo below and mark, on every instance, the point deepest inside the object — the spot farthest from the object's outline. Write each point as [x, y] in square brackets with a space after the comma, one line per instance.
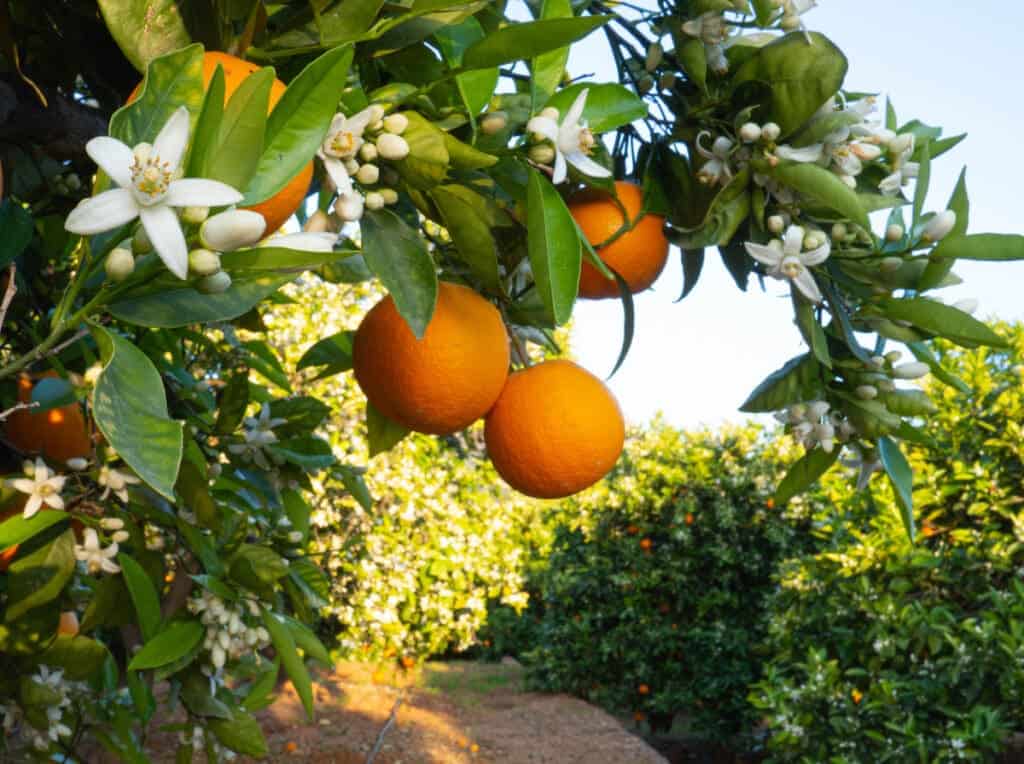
[215, 283]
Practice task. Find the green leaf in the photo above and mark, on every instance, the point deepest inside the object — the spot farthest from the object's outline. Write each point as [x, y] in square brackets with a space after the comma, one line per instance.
[195, 694]
[309, 453]
[804, 472]
[427, 162]
[547, 69]
[193, 488]
[306, 640]
[981, 246]
[145, 29]
[517, 42]
[172, 80]
[17, 529]
[961, 205]
[693, 263]
[923, 354]
[475, 87]
[270, 258]
[204, 137]
[52, 392]
[107, 605]
[179, 304]
[284, 643]
[232, 403]
[171, 643]
[398, 256]
[693, 59]
[258, 567]
[130, 410]
[466, 217]
[811, 329]
[241, 733]
[334, 353]
[797, 381]
[39, 577]
[261, 691]
[352, 479]
[235, 155]
[909, 402]
[554, 248]
[943, 320]
[144, 596]
[902, 479]
[628, 319]
[80, 657]
[462, 156]
[801, 70]
[608, 106]
[382, 433]
[921, 185]
[823, 187]
[299, 123]
[16, 228]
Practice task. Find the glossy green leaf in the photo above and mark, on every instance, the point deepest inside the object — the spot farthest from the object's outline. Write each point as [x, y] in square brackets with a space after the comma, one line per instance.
[306, 640]
[548, 69]
[807, 469]
[144, 596]
[52, 392]
[145, 29]
[195, 694]
[628, 321]
[939, 267]
[193, 488]
[241, 733]
[398, 256]
[427, 162]
[608, 105]
[475, 87]
[902, 479]
[261, 692]
[130, 409]
[923, 354]
[693, 263]
[257, 567]
[462, 156]
[693, 59]
[517, 42]
[924, 175]
[270, 258]
[466, 217]
[298, 123]
[236, 153]
[16, 229]
[284, 643]
[39, 577]
[80, 657]
[309, 453]
[554, 248]
[174, 641]
[797, 381]
[355, 484]
[382, 433]
[334, 353]
[204, 137]
[824, 187]
[232, 402]
[981, 246]
[18, 529]
[943, 320]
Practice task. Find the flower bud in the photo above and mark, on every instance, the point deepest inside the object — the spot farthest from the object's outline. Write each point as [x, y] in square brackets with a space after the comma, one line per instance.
[771, 132]
[893, 356]
[817, 409]
[368, 174]
[967, 306]
[215, 283]
[73, 181]
[194, 215]
[119, 264]
[203, 262]
[493, 122]
[374, 200]
[351, 166]
[886, 386]
[815, 239]
[789, 22]
[721, 146]
[120, 537]
[866, 151]
[77, 463]
[894, 232]
[848, 180]
[750, 132]
[914, 370]
[390, 195]
[645, 85]
[667, 81]
[232, 230]
[349, 207]
[867, 392]
[542, 153]
[368, 152]
[396, 123]
[776, 223]
[550, 112]
[392, 147]
[318, 222]
[901, 143]
[140, 242]
[295, 537]
[890, 264]
[376, 113]
[939, 226]
[654, 55]
[839, 232]
[797, 412]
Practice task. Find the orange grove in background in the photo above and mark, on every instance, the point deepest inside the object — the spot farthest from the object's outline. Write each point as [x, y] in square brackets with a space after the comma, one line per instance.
[278, 208]
[58, 434]
[638, 255]
[443, 382]
[555, 430]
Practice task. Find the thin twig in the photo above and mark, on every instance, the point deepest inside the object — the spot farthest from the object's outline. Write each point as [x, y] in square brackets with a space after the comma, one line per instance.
[384, 730]
[17, 407]
[9, 293]
[78, 335]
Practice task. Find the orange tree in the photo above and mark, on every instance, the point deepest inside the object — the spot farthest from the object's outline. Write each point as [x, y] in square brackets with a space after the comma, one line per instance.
[447, 143]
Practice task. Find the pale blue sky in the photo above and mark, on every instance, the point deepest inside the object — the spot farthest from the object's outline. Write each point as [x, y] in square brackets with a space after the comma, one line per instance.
[950, 64]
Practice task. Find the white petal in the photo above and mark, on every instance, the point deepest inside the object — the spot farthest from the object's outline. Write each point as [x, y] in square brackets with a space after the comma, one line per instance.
[53, 500]
[32, 506]
[337, 172]
[806, 154]
[358, 121]
[543, 126]
[113, 157]
[816, 256]
[763, 253]
[572, 117]
[105, 212]
[586, 165]
[793, 241]
[305, 242]
[806, 284]
[22, 484]
[164, 232]
[110, 567]
[172, 139]
[561, 170]
[199, 192]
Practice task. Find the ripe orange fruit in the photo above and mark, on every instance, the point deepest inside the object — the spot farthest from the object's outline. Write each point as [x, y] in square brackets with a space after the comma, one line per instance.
[291, 746]
[408, 661]
[643, 689]
[646, 544]
[278, 208]
[58, 434]
[15, 508]
[444, 382]
[68, 623]
[638, 255]
[555, 430]
[689, 518]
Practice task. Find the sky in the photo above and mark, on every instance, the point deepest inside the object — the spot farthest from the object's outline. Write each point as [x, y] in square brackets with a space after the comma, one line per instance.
[949, 64]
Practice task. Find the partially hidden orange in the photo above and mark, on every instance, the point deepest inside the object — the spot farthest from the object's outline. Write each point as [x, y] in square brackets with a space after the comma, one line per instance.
[58, 434]
[278, 208]
[443, 382]
[638, 255]
[555, 430]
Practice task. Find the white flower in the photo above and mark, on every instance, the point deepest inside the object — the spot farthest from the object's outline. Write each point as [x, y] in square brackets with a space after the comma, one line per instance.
[716, 169]
[95, 557]
[938, 227]
[866, 467]
[343, 140]
[792, 10]
[786, 260]
[712, 29]
[116, 481]
[572, 140]
[903, 170]
[147, 190]
[259, 430]
[304, 241]
[43, 487]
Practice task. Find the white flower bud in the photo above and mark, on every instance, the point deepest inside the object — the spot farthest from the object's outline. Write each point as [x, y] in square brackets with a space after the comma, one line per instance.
[886, 386]
[771, 132]
[376, 112]
[295, 537]
[77, 463]
[351, 166]
[939, 226]
[867, 392]
[776, 223]
[390, 195]
[396, 123]
[866, 151]
[112, 523]
[374, 200]
[848, 180]
[119, 264]
[493, 122]
[894, 232]
[750, 132]
[349, 207]
[722, 145]
[368, 174]
[789, 22]
[194, 215]
[913, 370]
[890, 264]
[654, 55]
[217, 656]
[839, 232]
[814, 239]
[393, 147]
[893, 356]
[817, 409]
[232, 230]
[967, 306]
[368, 152]
[73, 181]
[203, 262]
[140, 242]
[542, 153]
[550, 112]
[824, 431]
[318, 222]
[215, 283]
[120, 537]
[901, 143]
